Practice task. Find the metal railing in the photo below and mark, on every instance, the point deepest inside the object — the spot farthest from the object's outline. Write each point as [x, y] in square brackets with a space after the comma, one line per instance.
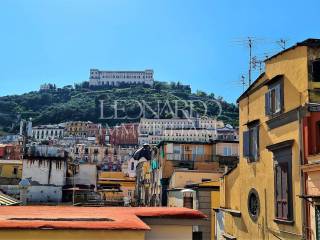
[199, 157]
[189, 157]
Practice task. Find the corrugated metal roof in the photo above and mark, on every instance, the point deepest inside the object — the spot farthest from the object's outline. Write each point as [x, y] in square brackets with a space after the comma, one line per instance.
[6, 200]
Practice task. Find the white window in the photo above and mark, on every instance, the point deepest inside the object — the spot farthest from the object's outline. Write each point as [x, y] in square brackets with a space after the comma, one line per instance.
[200, 150]
[274, 100]
[227, 151]
[177, 149]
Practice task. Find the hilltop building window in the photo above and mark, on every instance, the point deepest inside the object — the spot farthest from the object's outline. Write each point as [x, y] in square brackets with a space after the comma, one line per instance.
[316, 70]
[251, 141]
[274, 97]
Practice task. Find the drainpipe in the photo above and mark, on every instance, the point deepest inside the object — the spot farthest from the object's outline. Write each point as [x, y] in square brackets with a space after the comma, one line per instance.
[302, 181]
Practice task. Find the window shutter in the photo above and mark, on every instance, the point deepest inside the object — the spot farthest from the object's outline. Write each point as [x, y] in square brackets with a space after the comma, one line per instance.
[284, 181]
[255, 143]
[278, 192]
[316, 70]
[267, 103]
[278, 98]
[246, 145]
[282, 95]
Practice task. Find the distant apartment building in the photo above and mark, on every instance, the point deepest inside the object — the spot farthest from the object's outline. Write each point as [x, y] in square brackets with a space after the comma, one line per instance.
[47, 132]
[157, 126]
[108, 158]
[10, 169]
[153, 131]
[125, 134]
[11, 139]
[94, 129]
[193, 156]
[25, 128]
[78, 128]
[10, 151]
[43, 174]
[116, 188]
[115, 78]
[191, 135]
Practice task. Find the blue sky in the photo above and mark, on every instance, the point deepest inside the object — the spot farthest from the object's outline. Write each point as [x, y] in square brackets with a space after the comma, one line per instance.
[192, 41]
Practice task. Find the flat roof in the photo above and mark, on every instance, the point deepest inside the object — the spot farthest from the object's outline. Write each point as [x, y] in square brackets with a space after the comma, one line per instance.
[3, 161]
[88, 218]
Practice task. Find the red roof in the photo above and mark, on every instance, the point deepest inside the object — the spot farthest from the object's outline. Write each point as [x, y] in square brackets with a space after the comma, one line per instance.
[93, 218]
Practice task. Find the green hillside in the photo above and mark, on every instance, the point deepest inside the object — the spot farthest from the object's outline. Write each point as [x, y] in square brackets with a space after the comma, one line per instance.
[84, 103]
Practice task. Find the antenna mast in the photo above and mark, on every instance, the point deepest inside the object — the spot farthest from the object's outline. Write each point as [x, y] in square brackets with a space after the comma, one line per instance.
[250, 58]
[282, 43]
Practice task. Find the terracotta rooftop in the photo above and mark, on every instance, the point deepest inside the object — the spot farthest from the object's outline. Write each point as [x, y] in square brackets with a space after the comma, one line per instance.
[91, 218]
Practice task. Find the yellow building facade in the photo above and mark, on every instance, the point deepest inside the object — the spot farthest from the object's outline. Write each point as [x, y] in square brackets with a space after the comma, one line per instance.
[115, 186]
[11, 168]
[261, 197]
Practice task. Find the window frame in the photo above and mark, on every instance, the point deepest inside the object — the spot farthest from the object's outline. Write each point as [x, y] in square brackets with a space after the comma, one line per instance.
[282, 156]
[227, 151]
[314, 78]
[274, 97]
[251, 142]
[254, 217]
[15, 170]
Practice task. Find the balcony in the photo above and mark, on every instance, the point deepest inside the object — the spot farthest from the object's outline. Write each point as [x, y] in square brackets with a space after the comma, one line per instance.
[188, 160]
[190, 157]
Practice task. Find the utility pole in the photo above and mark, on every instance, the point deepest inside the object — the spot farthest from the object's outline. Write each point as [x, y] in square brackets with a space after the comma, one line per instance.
[73, 185]
[243, 82]
[250, 58]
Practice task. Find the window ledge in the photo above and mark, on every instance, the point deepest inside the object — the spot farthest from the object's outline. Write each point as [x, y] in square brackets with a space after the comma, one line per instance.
[275, 115]
[282, 221]
[228, 236]
[251, 160]
[234, 213]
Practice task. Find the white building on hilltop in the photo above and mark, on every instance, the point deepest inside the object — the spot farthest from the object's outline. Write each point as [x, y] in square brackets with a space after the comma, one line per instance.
[115, 78]
[48, 132]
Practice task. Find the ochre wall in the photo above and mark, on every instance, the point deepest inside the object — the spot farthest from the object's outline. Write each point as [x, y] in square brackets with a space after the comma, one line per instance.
[7, 170]
[260, 175]
[169, 232]
[70, 235]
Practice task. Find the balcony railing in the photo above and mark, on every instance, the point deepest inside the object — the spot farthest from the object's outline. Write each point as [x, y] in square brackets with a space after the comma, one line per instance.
[189, 157]
[200, 158]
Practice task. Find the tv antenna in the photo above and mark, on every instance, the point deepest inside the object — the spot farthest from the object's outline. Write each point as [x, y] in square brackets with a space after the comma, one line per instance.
[249, 42]
[257, 64]
[243, 82]
[282, 43]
